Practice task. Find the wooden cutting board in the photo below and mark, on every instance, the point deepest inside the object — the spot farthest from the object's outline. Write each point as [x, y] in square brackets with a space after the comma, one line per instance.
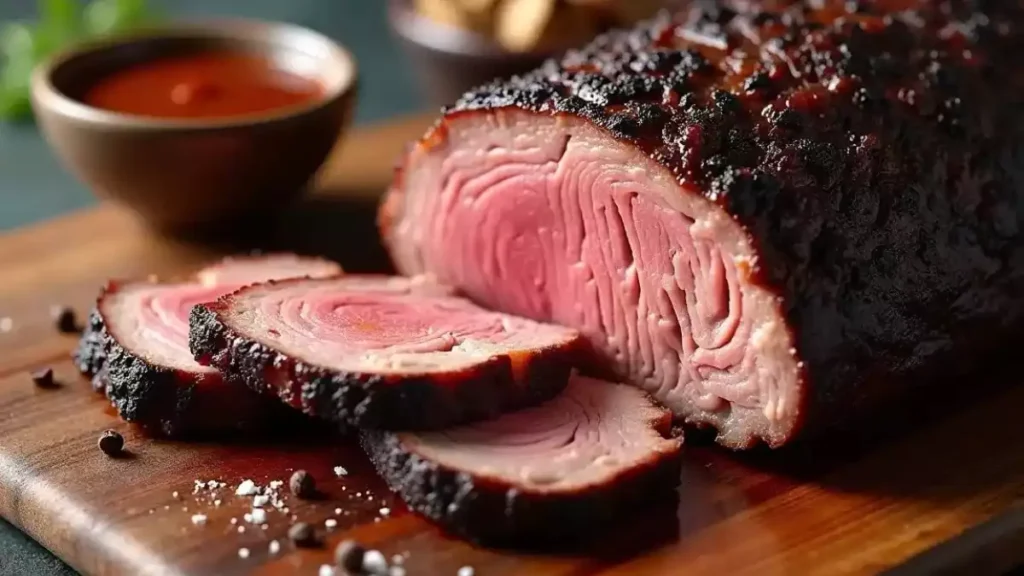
[937, 495]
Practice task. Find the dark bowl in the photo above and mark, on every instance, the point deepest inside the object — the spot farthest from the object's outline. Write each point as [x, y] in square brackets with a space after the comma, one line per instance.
[447, 61]
[192, 174]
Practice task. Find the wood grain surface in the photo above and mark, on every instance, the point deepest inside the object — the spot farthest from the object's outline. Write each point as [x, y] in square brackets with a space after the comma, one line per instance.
[934, 493]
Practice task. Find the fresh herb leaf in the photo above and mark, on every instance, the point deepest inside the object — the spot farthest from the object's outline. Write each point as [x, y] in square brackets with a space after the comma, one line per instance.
[61, 23]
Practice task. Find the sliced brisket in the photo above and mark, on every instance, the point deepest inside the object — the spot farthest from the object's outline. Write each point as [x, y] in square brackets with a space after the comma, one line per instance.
[382, 352]
[136, 348]
[554, 472]
[771, 220]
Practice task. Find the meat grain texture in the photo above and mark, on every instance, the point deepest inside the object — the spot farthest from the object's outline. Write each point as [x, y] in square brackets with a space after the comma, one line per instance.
[775, 216]
[382, 352]
[549, 474]
[135, 349]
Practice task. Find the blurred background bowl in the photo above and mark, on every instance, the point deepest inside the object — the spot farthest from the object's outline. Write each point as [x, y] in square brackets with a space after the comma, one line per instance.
[196, 174]
[447, 60]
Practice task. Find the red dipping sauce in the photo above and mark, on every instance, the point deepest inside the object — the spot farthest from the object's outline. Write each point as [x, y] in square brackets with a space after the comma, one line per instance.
[202, 85]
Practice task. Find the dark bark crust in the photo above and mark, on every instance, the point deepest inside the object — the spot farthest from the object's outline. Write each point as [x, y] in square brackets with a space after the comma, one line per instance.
[90, 355]
[500, 514]
[165, 401]
[373, 401]
[873, 155]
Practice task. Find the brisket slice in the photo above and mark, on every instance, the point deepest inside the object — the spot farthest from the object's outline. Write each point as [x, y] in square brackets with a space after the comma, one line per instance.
[774, 221]
[136, 349]
[382, 352]
[553, 472]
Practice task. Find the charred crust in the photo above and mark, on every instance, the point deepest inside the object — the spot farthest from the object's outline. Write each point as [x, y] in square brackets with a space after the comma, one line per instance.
[373, 401]
[179, 404]
[90, 354]
[164, 401]
[873, 155]
[499, 514]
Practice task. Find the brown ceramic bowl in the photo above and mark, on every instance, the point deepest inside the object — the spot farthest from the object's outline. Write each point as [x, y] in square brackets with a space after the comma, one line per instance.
[184, 175]
[447, 61]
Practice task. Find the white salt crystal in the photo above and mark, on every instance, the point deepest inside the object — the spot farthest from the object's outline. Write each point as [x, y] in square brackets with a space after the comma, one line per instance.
[340, 471]
[331, 523]
[260, 500]
[243, 553]
[199, 519]
[258, 516]
[374, 562]
[385, 511]
[326, 570]
[246, 488]
[275, 547]
[466, 571]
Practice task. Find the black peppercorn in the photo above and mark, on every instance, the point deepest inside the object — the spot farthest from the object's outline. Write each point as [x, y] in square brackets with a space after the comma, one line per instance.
[65, 320]
[111, 443]
[349, 556]
[43, 378]
[302, 484]
[303, 535]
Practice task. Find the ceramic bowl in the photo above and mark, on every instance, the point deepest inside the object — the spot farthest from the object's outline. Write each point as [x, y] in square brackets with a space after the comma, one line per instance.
[187, 174]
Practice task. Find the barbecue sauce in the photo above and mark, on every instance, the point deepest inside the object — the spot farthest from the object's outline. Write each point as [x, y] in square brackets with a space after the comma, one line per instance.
[202, 85]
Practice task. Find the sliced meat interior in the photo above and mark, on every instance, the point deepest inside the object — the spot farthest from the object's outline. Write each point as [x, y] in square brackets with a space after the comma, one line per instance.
[556, 471]
[136, 348]
[743, 209]
[382, 352]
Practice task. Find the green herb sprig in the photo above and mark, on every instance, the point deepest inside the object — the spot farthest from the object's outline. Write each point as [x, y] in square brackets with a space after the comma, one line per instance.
[61, 23]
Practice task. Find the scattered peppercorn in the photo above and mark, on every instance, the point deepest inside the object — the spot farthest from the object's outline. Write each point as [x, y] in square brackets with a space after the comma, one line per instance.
[349, 556]
[43, 378]
[302, 484]
[303, 535]
[65, 319]
[111, 443]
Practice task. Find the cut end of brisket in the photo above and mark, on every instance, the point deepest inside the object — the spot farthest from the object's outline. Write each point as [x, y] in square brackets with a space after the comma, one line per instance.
[551, 218]
[136, 350]
[382, 352]
[244, 270]
[553, 472]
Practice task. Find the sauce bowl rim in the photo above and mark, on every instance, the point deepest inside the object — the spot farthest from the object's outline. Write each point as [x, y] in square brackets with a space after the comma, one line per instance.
[255, 31]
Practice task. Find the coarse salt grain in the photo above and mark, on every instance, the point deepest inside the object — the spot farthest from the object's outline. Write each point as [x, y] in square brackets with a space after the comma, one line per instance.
[326, 570]
[374, 562]
[331, 523]
[340, 471]
[466, 571]
[397, 559]
[246, 488]
[234, 520]
[337, 511]
[216, 502]
[385, 511]
[275, 547]
[397, 571]
[241, 529]
[199, 519]
[260, 500]
[243, 553]
[174, 495]
[258, 516]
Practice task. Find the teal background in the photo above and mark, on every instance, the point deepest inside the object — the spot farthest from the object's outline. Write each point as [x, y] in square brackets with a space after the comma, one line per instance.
[34, 187]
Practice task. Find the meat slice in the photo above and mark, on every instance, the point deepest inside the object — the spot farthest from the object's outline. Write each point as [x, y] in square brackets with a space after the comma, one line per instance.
[136, 348]
[553, 472]
[774, 217]
[382, 352]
